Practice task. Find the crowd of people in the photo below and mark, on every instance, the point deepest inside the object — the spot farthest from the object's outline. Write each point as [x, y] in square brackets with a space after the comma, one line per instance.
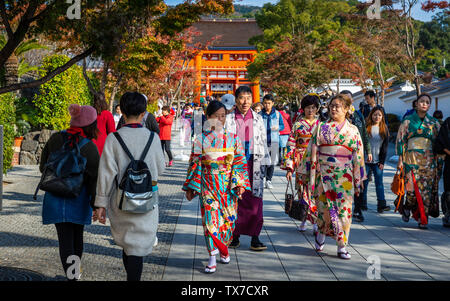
[330, 148]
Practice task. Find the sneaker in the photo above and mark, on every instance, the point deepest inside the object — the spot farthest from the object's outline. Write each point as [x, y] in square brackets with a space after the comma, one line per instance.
[269, 185]
[235, 243]
[171, 163]
[358, 217]
[382, 209]
[257, 245]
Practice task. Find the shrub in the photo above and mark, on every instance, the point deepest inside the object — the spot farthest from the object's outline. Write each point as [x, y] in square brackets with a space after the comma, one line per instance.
[56, 95]
[7, 119]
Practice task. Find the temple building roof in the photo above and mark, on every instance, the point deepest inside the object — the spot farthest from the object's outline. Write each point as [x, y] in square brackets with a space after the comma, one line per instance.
[231, 33]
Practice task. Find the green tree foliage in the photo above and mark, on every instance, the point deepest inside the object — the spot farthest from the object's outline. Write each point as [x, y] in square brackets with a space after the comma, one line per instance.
[56, 95]
[434, 36]
[317, 20]
[7, 119]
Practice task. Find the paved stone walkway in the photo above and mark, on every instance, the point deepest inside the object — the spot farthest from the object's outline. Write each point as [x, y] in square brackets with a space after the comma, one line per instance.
[29, 250]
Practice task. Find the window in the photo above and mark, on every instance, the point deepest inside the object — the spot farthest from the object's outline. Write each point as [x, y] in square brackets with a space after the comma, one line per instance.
[212, 57]
[240, 57]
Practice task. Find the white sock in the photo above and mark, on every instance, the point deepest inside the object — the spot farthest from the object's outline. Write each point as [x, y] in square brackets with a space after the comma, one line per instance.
[320, 238]
[342, 250]
[212, 261]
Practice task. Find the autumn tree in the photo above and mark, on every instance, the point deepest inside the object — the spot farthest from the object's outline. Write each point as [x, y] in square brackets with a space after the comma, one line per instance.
[104, 29]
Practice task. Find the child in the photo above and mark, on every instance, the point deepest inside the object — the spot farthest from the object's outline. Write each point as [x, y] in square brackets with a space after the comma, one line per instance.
[165, 122]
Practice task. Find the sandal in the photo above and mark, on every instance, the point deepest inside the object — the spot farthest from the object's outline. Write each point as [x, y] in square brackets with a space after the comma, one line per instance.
[225, 260]
[423, 227]
[319, 246]
[210, 270]
[344, 255]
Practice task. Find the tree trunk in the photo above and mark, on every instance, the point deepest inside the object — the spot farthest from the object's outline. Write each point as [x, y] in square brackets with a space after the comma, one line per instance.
[114, 92]
[12, 70]
[49, 76]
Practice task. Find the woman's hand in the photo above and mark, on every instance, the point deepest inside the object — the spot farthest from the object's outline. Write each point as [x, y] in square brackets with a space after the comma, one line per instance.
[369, 158]
[380, 166]
[289, 175]
[400, 164]
[239, 191]
[190, 194]
[100, 215]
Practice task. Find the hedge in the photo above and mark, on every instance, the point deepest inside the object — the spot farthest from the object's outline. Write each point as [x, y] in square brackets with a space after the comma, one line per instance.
[56, 95]
[7, 119]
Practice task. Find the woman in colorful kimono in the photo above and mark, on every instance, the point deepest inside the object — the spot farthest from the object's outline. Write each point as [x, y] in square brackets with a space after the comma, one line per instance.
[296, 147]
[218, 174]
[333, 167]
[415, 140]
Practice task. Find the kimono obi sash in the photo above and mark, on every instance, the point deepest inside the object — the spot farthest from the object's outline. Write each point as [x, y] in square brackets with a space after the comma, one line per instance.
[335, 152]
[304, 141]
[218, 161]
[419, 143]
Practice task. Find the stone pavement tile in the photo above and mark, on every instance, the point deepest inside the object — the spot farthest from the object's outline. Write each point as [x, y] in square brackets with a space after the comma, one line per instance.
[27, 244]
[180, 259]
[427, 259]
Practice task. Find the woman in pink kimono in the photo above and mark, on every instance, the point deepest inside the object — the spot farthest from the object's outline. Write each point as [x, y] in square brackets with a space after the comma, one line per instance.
[296, 147]
[334, 169]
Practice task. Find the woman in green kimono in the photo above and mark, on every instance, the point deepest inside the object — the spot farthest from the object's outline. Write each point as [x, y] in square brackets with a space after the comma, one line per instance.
[415, 140]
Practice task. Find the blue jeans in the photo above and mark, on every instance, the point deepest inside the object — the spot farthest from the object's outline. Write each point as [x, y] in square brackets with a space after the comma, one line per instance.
[379, 187]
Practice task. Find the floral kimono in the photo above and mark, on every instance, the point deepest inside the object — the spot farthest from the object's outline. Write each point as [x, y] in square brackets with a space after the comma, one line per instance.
[415, 140]
[217, 166]
[296, 147]
[334, 165]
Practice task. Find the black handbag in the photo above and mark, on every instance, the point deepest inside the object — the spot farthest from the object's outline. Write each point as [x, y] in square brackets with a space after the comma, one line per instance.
[288, 198]
[298, 209]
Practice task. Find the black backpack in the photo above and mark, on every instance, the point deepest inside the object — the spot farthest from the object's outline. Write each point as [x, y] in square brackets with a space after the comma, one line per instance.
[137, 187]
[63, 173]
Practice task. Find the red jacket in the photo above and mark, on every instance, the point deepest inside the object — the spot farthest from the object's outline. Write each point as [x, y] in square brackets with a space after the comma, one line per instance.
[165, 127]
[105, 125]
[287, 123]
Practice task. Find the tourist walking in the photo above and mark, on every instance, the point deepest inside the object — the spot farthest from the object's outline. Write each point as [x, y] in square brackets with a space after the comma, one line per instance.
[415, 139]
[284, 134]
[117, 115]
[218, 174]
[334, 170]
[149, 120]
[105, 120]
[257, 107]
[273, 121]
[296, 147]
[186, 117]
[134, 232]
[71, 214]
[249, 127]
[165, 122]
[379, 140]
[356, 118]
[369, 104]
[442, 147]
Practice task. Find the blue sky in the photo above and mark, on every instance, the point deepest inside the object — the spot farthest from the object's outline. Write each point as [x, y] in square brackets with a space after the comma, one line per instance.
[418, 13]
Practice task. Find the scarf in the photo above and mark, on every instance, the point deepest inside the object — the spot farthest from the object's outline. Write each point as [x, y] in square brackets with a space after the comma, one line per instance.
[74, 135]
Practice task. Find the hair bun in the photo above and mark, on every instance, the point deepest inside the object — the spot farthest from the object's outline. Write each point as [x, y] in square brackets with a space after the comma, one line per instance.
[74, 110]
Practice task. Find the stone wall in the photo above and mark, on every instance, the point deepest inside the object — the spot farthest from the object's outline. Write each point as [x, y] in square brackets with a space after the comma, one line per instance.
[32, 145]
